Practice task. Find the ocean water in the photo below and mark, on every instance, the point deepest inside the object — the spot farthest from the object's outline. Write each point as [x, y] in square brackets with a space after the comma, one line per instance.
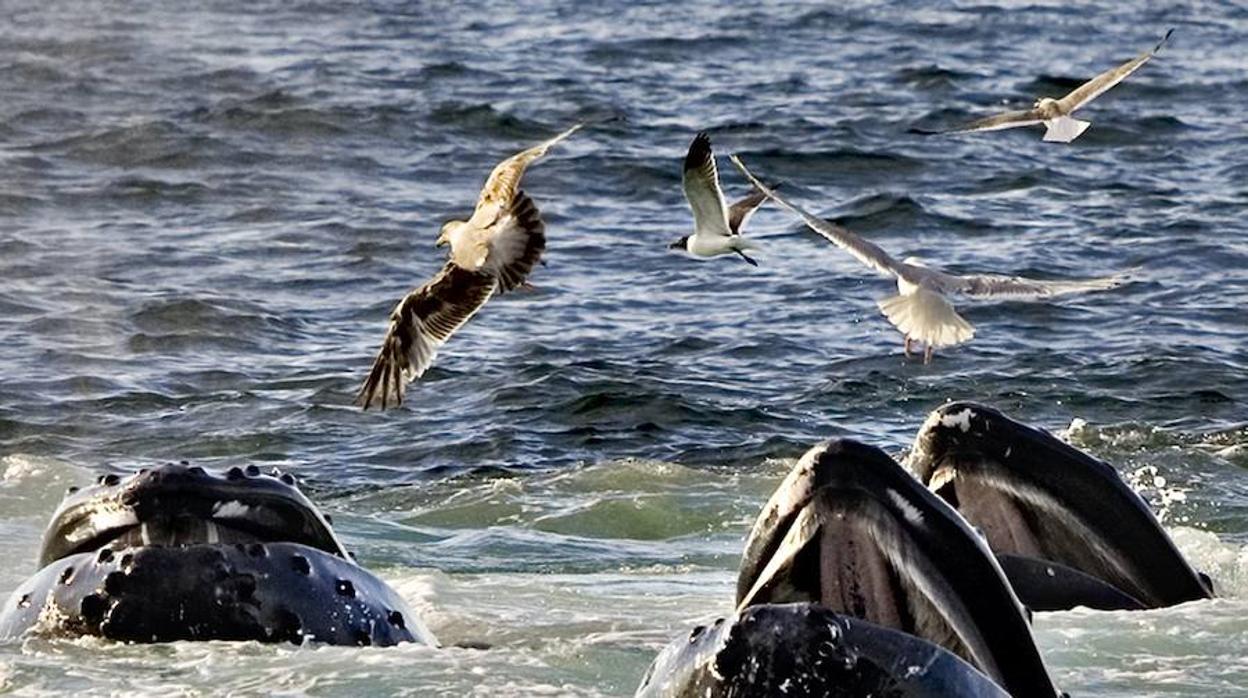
[206, 214]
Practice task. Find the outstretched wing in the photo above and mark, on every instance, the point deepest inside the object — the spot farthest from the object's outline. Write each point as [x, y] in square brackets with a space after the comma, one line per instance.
[739, 213]
[1097, 86]
[503, 181]
[992, 285]
[701, 180]
[419, 325]
[863, 250]
[1010, 119]
[516, 242]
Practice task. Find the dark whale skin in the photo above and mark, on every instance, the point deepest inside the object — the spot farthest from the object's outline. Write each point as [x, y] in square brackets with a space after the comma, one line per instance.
[804, 649]
[266, 592]
[177, 552]
[1074, 511]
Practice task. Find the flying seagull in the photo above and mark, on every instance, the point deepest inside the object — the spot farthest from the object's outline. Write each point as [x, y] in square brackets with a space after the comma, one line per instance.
[1055, 114]
[716, 225]
[920, 309]
[491, 252]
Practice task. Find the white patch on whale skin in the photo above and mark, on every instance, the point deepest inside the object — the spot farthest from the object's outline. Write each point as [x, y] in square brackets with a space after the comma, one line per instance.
[105, 519]
[232, 509]
[908, 510]
[937, 418]
[961, 420]
[943, 476]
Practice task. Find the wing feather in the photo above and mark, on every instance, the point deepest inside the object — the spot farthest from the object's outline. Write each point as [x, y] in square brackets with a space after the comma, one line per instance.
[740, 212]
[517, 241]
[701, 181]
[1010, 119]
[421, 323]
[1098, 85]
[500, 187]
[993, 285]
[863, 250]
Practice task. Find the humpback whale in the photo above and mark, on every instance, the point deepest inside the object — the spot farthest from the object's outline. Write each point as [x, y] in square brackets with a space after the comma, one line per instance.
[1068, 530]
[178, 553]
[857, 580]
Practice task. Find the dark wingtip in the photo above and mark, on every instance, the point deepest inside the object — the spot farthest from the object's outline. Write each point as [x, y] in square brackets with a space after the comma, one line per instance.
[923, 131]
[699, 151]
[1164, 39]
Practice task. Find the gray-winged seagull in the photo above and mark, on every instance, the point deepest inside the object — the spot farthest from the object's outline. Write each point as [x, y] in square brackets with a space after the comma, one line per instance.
[491, 252]
[920, 309]
[1055, 114]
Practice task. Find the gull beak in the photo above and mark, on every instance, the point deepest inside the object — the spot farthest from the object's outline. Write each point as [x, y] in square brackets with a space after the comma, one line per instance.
[441, 241]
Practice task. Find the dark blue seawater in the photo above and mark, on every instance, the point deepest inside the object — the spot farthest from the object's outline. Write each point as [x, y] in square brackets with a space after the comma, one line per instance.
[206, 214]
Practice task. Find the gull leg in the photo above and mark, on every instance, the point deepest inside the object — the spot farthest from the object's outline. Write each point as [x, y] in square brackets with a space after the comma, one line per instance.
[907, 346]
[927, 354]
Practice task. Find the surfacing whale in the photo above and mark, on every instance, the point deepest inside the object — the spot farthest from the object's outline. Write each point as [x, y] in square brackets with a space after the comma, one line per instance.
[177, 553]
[857, 580]
[1068, 530]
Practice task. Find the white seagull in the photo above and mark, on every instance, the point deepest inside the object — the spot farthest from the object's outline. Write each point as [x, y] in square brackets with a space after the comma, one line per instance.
[491, 252]
[716, 225]
[1055, 114]
[920, 309]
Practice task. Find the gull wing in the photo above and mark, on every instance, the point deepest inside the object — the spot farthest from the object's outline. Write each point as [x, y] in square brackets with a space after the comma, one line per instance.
[701, 181]
[863, 250]
[516, 243]
[994, 285]
[419, 325]
[1010, 119]
[740, 212]
[503, 181]
[1097, 86]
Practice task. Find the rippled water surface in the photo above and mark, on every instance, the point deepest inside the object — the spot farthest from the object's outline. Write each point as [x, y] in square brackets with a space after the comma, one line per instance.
[207, 213]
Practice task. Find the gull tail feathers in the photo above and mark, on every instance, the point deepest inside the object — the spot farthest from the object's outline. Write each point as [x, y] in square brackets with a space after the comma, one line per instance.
[1065, 129]
[927, 317]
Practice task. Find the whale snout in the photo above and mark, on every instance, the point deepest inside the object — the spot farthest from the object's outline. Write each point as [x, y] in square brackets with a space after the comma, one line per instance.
[181, 504]
[178, 552]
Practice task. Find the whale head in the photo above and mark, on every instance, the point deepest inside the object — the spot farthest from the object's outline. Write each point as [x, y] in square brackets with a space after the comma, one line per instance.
[178, 505]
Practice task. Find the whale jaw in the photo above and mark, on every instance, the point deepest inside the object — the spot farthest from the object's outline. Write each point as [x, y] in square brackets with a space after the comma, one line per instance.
[1036, 497]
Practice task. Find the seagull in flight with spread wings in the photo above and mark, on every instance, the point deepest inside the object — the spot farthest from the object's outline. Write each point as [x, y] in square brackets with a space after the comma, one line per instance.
[491, 253]
[716, 225]
[920, 309]
[1055, 114]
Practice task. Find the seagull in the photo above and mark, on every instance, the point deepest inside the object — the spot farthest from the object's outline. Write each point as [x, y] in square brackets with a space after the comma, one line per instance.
[920, 309]
[491, 252]
[716, 225]
[1055, 114]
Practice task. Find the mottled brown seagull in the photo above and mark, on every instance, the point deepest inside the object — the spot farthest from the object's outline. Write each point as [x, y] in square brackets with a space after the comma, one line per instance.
[716, 225]
[491, 252]
[920, 309]
[1055, 114]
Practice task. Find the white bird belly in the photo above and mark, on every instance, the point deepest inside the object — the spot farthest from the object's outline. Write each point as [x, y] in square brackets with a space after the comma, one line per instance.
[703, 246]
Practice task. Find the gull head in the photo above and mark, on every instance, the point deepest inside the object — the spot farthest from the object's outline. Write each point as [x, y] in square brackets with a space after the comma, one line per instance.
[1048, 107]
[448, 229]
[681, 244]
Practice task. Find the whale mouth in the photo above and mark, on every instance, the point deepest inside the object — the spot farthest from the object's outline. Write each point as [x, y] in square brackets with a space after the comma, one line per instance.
[851, 531]
[178, 506]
